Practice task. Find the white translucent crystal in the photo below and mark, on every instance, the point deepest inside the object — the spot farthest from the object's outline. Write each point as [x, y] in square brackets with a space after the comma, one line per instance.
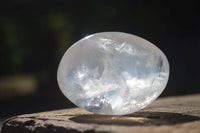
[113, 73]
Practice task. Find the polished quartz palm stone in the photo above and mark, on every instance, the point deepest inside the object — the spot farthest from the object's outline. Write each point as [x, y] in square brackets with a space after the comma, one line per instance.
[113, 73]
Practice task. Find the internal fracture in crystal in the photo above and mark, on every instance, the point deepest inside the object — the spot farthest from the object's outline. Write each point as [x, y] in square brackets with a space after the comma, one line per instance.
[113, 73]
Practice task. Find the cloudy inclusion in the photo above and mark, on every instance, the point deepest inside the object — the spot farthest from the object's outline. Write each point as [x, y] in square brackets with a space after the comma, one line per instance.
[113, 73]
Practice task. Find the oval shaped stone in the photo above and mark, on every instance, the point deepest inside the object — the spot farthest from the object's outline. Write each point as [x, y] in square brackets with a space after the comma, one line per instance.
[113, 73]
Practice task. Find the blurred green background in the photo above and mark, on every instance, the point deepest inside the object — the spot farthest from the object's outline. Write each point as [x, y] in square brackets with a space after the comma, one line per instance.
[35, 34]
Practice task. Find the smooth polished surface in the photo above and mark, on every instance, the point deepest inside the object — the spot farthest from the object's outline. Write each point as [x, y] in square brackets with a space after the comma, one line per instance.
[113, 73]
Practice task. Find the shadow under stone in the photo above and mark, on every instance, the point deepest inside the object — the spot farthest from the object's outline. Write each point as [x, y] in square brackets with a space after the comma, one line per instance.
[138, 118]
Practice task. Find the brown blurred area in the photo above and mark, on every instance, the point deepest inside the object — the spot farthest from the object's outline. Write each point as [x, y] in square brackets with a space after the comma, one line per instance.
[34, 36]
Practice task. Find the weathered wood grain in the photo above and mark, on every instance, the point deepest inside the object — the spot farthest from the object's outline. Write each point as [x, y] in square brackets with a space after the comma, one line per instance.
[167, 115]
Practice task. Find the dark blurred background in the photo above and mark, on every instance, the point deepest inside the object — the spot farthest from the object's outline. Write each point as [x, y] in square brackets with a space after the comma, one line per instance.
[34, 36]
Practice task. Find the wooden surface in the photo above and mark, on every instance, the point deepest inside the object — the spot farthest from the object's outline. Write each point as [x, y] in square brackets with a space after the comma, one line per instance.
[165, 115]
